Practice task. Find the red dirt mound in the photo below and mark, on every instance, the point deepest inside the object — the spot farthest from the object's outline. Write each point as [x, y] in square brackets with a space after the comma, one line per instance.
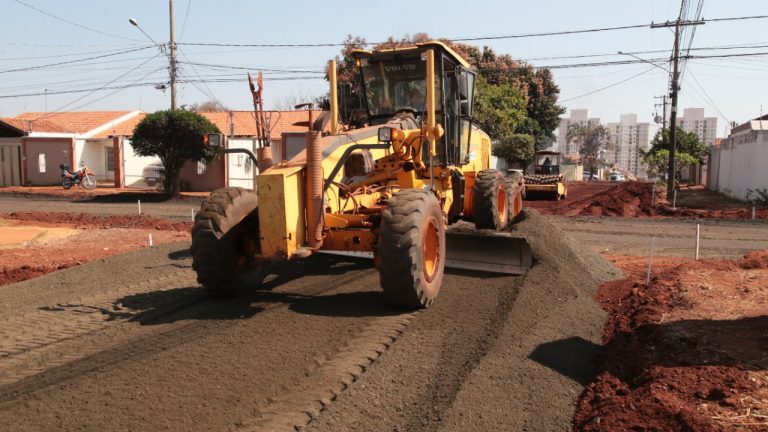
[84, 220]
[629, 199]
[685, 353]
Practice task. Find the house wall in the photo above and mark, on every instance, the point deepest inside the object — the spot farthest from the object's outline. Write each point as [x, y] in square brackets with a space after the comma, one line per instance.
[713, 167]
[212, 178]
[93, 154]
[135, 168]
[572, 172]
[240, 170]
[743, 164]
[56, 151]
[10, 161]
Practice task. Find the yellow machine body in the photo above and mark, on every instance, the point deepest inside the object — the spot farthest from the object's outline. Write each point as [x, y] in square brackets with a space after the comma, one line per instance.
[352, 205]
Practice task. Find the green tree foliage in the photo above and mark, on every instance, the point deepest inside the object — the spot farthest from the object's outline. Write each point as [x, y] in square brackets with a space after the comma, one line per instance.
[686, 142]
[500, 74]
[592, 141]
[515, 148]
[175, 136]
[499, 109]
[688, 151]
[658, 162]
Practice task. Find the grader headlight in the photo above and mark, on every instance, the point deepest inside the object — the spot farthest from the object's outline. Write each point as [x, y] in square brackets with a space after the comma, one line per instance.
[385, 134]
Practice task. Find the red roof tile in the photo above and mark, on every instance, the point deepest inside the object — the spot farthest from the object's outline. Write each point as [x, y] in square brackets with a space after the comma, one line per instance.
[122, 129]
[26, 126]
[245, 122]
[75, 122]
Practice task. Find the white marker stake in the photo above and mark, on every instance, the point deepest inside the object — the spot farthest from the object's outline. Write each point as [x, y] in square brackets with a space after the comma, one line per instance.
[650, 265]
[674, 199]
[192, 213]
[139, 202]
[753, 212]
[698, 232]
[150, 239]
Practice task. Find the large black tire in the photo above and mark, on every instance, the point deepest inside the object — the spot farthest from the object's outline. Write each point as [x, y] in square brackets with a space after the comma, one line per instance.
[410, 254]
[225, 241]
[489, 200]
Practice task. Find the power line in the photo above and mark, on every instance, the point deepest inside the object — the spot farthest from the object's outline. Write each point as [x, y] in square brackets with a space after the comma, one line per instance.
[98, 89]
[73, 23]
[608, 86]
[73, 61]
[218, 66]
[466, 39]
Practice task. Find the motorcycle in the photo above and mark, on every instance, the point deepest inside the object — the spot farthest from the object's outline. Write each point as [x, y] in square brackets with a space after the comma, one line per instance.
[83, 177]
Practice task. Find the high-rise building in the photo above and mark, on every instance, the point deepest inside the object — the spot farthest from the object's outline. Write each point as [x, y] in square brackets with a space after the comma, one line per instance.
[577, 116]
[626, 139]
[693, 120]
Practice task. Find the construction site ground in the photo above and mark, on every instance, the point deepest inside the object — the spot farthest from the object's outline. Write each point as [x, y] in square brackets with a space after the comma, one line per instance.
[124, 338]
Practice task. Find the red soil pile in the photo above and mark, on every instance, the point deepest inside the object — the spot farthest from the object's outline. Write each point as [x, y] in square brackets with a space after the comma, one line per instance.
[628, 199]
[97, 237]
[83, 220]
[687, 353]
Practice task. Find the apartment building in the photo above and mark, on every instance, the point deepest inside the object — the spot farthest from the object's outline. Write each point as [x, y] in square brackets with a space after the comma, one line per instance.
[577, 116]
[626, 139]
[693, 120]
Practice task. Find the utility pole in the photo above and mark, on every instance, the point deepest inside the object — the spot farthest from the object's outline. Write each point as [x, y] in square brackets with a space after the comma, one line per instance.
[173, 59]
[673, 95]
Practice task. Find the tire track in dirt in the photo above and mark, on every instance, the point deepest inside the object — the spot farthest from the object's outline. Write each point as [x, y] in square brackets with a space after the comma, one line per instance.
[27, 341]
[126, 340]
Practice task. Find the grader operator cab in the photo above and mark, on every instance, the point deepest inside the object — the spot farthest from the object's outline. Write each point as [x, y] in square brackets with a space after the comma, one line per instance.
[388, 190]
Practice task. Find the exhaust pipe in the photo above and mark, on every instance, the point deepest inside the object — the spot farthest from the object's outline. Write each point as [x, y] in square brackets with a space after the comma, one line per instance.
[314, 192]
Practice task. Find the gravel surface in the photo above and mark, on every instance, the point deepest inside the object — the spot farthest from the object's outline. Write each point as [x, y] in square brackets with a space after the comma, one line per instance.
[172, 210]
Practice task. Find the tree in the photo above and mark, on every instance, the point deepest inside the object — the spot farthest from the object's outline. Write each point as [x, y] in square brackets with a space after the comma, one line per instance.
[592, 141]
[689, 150]
[658, 162]
[175, 136]
[515, 148]
[209, 106]
[499, 109]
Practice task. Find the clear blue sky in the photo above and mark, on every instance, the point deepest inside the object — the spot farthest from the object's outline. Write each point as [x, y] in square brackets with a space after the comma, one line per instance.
[29, 38]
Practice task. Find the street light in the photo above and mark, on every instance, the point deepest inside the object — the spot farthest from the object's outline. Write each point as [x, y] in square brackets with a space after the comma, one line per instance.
[170, 53]
[136, 24]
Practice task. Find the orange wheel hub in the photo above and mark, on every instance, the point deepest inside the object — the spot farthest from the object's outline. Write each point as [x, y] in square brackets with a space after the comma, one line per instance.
[431, 250]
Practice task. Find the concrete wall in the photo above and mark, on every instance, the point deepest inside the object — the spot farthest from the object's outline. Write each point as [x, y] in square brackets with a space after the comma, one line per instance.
[240, 170]
[136, 168]
[743, 164]
[572, 172]
[93, 154]
[211, 178]
[54, 151]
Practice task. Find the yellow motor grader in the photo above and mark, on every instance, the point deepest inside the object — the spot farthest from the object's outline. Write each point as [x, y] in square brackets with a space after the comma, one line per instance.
[388, 190]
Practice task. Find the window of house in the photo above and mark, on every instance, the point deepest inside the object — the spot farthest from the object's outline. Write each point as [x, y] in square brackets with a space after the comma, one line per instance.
[109, 154]
[201, 167]
[41, 162]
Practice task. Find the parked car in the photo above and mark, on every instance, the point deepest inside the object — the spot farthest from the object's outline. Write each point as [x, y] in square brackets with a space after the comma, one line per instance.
[153, 174]
[616, 176]
[586, 176]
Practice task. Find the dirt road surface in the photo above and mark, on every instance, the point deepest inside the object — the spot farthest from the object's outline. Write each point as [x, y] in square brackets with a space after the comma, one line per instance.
[176, 210]
[131, 342]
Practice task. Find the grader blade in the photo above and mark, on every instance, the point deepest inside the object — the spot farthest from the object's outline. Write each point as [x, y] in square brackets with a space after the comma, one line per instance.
[493, 253]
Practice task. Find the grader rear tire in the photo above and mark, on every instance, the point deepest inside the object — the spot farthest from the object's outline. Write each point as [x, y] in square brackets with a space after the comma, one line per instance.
[225, 240]
[489, 200]
[410, 254]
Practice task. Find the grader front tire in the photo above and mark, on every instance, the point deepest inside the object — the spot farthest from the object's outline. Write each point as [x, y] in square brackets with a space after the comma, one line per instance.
[225, 240]
[410, 254]
[489, 200]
